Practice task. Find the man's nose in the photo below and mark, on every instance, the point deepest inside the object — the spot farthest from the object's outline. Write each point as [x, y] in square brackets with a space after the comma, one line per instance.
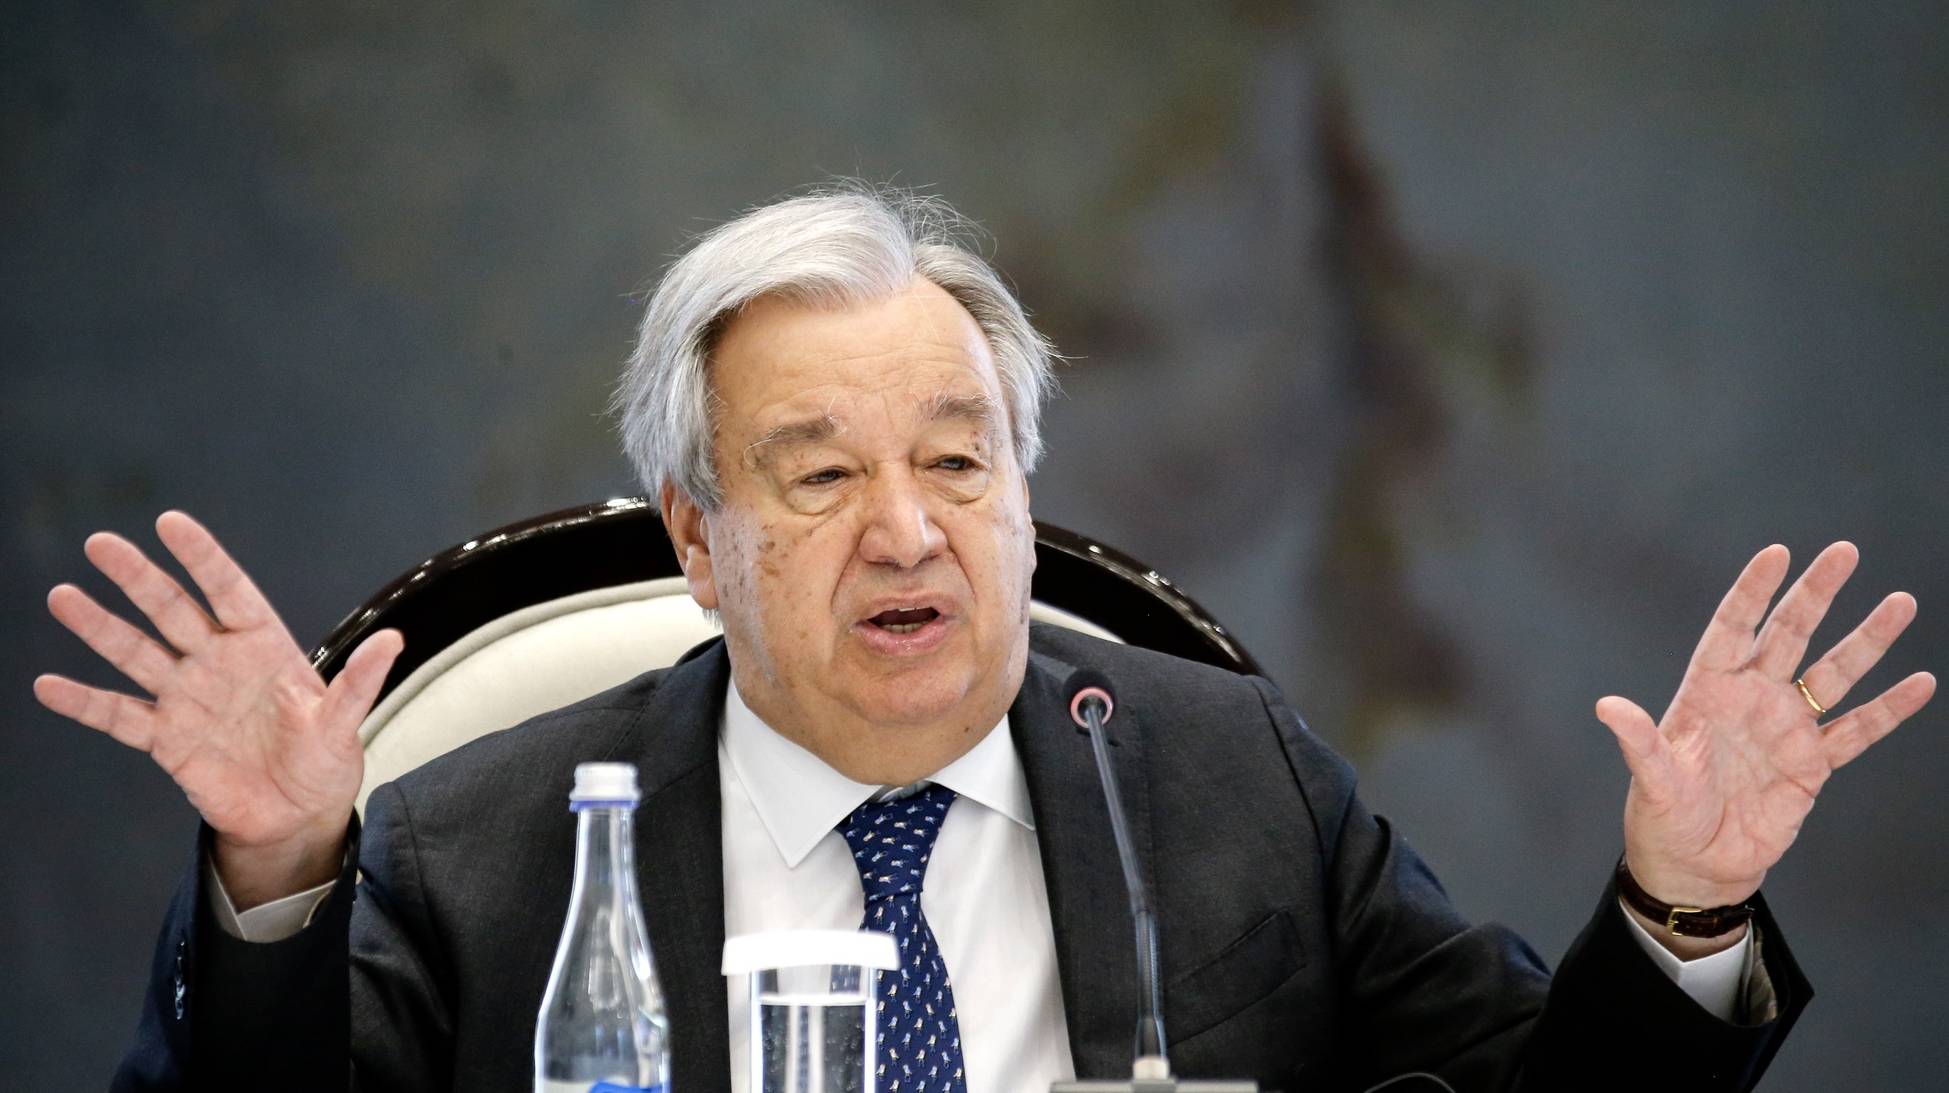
[900, 529]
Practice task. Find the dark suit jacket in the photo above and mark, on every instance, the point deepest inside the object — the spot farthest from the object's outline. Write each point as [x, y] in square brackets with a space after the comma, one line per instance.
[1303, 943]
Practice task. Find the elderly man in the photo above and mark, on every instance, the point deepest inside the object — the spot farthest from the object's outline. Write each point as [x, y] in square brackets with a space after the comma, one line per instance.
[837, 405]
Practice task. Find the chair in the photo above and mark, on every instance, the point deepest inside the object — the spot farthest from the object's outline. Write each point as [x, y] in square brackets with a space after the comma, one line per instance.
[546, 612]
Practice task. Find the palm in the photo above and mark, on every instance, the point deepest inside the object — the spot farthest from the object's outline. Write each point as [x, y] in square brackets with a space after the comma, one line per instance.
[261, 746]
[238, 727]
[1722, 784]
[1740, 792]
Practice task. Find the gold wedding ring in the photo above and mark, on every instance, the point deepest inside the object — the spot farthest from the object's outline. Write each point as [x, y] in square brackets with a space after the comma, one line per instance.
[1819, 710]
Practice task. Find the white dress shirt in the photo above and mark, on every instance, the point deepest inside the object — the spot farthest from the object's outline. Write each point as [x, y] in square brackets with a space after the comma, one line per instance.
[786, 867]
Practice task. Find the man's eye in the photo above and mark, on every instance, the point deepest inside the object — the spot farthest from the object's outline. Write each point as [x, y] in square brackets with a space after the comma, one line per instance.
[956, 464]
[823, 478]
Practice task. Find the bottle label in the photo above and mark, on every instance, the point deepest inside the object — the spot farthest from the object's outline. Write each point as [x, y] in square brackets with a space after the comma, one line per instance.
[556, 1085]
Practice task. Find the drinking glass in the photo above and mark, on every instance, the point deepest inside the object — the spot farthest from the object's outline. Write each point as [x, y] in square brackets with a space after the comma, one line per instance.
[813, 1017]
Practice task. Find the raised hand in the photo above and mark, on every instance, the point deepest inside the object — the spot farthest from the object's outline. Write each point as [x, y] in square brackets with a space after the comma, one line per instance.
[1721, 784]
[263, 748]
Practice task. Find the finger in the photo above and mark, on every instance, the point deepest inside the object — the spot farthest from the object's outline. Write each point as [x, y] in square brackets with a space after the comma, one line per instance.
[132, 652]
[156, 594]
[356, 687]
[1854, 733]
[1834, 675]
[1645, 749]
[126, 719]
[232, 595]
[1728, 639]
[1783, 641]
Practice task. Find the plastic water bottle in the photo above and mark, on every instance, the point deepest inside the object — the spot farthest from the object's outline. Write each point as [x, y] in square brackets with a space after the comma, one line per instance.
[602, 1027]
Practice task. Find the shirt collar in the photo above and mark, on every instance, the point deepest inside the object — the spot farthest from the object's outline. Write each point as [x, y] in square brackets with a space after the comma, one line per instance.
[799, 798]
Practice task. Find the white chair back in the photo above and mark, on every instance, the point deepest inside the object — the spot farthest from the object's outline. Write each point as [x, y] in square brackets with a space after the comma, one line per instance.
[543, 657]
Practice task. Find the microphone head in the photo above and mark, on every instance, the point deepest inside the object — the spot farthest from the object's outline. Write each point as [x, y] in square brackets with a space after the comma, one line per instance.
[1088, 684]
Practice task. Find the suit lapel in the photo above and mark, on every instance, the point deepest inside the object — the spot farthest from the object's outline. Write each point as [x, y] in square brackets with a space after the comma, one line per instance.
[1096, 953]
[680, 860]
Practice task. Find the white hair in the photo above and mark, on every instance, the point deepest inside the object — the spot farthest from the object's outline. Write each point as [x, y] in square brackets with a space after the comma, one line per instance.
[838, 246]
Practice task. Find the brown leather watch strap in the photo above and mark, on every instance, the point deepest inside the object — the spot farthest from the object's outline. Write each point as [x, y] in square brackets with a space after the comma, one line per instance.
[1681, 921]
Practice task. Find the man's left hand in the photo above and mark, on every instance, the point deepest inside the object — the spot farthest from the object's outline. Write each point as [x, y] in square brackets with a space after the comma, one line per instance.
[1721, 785]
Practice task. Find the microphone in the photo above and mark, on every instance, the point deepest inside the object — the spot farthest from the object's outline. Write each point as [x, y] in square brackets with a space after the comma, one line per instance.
[1090, 706]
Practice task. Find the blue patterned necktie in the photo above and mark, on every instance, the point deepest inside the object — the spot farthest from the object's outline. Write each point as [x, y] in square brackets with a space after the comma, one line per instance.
[919, 1047]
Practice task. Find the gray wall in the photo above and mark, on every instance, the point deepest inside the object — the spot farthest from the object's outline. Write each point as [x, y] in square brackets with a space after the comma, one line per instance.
[1456, 355]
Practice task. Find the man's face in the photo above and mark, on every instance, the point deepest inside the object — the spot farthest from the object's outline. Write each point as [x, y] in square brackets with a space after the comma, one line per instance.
[871, 558]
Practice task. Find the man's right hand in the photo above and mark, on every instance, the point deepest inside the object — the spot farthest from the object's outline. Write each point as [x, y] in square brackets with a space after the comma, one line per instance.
[262, 747]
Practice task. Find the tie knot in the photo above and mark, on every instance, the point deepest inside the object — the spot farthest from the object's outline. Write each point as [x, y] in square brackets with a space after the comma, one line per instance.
[892, 840]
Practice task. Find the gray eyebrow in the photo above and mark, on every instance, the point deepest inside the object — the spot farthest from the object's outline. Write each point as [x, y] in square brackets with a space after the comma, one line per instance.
[979, 409]
[814, 430]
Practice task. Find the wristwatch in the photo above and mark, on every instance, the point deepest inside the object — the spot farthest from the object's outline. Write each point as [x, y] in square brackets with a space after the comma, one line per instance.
[1681, 921]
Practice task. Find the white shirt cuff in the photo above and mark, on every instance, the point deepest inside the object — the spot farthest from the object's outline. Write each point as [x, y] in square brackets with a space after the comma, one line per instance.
[1716, 982]
[274, 921]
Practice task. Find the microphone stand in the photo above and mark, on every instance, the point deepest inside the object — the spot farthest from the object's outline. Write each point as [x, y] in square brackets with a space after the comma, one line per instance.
[1150, 1071]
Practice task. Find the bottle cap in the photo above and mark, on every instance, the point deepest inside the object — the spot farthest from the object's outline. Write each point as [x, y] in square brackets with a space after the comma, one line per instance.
[605, 782]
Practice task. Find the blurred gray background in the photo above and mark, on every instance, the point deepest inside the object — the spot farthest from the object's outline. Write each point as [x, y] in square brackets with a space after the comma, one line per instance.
[1456, 355]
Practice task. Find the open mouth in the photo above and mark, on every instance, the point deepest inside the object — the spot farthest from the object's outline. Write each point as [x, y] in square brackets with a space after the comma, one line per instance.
[904, 620]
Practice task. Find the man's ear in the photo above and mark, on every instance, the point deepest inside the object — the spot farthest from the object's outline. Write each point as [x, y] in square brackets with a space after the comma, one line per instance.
[690, 535]
[1029, 518]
